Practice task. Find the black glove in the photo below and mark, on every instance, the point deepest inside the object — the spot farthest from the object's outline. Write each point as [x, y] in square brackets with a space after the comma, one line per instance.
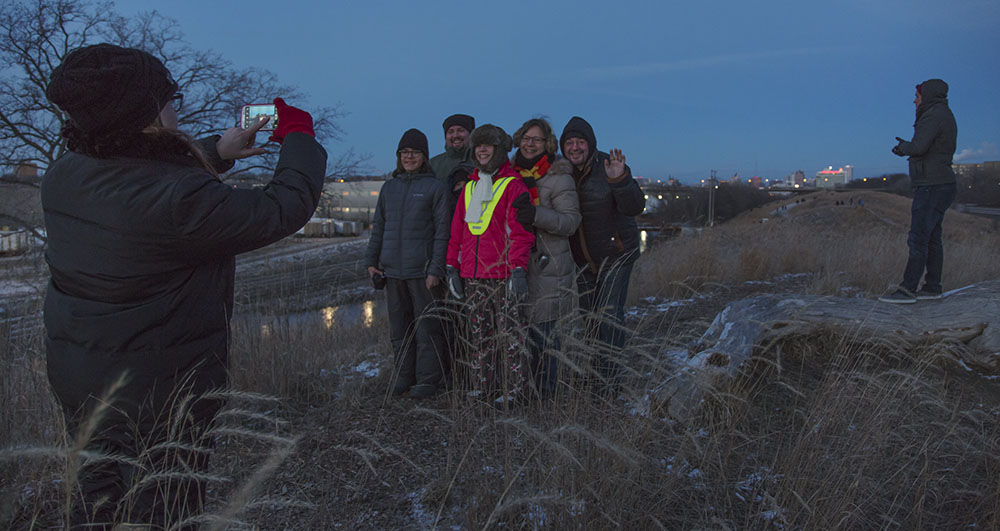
[459, 176]
[455, 283]
[525, 211]
[517, 284]
[896, 150]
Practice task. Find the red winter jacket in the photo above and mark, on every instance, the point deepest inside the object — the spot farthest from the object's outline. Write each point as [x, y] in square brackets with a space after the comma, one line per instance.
[504, 245]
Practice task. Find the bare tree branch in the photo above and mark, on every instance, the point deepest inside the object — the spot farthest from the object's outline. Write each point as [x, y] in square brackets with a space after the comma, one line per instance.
[35, 36]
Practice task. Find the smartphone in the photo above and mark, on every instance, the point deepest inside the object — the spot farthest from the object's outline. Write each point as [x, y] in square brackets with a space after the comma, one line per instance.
[251, 112]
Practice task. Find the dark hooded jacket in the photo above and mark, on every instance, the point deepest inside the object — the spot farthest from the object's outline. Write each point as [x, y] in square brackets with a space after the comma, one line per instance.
[410, 230]
[141, 254]
[935, 135]
[608, 231]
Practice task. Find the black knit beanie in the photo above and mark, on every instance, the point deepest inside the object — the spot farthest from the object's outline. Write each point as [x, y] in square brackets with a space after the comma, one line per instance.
[464, 120]
[414, 139]
[106, 88]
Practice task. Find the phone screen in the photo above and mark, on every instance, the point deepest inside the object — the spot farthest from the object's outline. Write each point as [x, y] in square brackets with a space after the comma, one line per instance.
[252, 112]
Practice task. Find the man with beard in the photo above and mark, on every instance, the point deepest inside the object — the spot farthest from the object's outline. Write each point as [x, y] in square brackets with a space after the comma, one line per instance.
[606, 244]
[454, 165]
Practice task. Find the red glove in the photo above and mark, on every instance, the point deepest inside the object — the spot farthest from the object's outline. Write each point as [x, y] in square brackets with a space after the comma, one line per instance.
[291, 120]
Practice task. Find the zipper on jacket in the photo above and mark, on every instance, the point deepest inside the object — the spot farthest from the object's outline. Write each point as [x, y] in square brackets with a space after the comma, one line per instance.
[406, 197]
[475, 267]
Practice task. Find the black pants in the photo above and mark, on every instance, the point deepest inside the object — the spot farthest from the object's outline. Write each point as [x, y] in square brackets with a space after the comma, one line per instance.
[602, 298]
[146, 454]
[416, 335]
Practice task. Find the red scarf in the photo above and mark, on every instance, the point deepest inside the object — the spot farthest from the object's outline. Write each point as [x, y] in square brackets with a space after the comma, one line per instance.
[531, 175]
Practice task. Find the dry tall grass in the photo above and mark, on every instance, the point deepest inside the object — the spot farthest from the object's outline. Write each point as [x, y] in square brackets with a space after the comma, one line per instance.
[819, 432]
[839, 246]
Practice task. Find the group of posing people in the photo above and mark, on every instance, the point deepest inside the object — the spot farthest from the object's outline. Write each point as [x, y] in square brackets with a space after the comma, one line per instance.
[482, 256]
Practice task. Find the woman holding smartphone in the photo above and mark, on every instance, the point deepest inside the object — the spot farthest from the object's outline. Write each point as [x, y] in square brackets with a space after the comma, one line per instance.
[407, 248]
[142, 239]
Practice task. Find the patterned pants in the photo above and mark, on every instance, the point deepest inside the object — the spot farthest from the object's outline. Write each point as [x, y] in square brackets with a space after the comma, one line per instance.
[498, 350]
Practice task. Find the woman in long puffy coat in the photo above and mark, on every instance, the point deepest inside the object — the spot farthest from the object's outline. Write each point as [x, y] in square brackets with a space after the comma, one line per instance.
[488, 255]
[551, 271]
[142, 238]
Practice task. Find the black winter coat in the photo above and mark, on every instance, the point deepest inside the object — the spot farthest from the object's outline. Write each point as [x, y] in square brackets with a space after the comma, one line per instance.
[935, 135]
[141, 254]
[608, 231]
[410, 231]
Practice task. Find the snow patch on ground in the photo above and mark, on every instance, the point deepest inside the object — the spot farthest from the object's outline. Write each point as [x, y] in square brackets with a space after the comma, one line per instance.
[19, 288]
[420, 514]
[656, 305]
[367, 368]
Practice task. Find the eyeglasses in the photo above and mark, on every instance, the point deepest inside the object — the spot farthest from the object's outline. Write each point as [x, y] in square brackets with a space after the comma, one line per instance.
[177, 101]
[533, 139]
[408, 153]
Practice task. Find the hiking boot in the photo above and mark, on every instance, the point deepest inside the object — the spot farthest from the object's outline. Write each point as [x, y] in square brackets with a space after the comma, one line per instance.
[423, 391]
[900, 296]
[401, 388]
[927, 295]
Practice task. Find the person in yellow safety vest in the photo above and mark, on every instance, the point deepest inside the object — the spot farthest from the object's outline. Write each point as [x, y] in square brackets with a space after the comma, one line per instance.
[488, 253]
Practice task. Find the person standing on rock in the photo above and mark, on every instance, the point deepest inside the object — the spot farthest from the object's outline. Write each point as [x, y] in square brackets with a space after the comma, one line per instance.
[932, 180]
[409, 239]
[606, 245]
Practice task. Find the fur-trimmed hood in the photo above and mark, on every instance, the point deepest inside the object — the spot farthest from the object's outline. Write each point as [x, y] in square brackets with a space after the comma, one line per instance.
[491, 135]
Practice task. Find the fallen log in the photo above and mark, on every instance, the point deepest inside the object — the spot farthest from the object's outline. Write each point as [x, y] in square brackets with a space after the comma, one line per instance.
[969, 315]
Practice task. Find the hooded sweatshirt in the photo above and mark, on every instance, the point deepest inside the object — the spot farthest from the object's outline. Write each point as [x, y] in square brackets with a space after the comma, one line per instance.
[935, 135]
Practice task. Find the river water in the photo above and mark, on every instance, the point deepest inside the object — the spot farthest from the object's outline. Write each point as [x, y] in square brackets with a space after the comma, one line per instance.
[364, 313]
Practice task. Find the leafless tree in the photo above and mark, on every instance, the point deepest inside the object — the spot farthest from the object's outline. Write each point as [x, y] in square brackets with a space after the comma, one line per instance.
[35, 36]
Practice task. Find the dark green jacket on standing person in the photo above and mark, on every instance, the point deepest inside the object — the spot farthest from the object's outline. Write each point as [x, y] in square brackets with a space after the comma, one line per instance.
[935, 136]
[445, 163]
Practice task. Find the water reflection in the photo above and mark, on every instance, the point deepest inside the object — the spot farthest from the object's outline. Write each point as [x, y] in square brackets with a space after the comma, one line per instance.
[327, 314]
[642, 241]
[368, 307]
[346, 314]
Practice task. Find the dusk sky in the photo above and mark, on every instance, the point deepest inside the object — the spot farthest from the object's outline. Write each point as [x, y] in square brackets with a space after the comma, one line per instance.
[758, 88]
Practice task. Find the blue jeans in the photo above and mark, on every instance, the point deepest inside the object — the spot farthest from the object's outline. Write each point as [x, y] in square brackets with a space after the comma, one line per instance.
[603, 297]
[926, 252]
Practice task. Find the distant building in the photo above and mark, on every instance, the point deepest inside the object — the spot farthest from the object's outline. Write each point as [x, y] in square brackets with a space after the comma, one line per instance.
[966, 170]
[755, 181]
[799, 177]
[831, 178]
[21, 199]
[350, 200]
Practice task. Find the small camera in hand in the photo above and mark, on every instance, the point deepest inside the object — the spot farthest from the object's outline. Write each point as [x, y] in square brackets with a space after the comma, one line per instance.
[378, 281]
